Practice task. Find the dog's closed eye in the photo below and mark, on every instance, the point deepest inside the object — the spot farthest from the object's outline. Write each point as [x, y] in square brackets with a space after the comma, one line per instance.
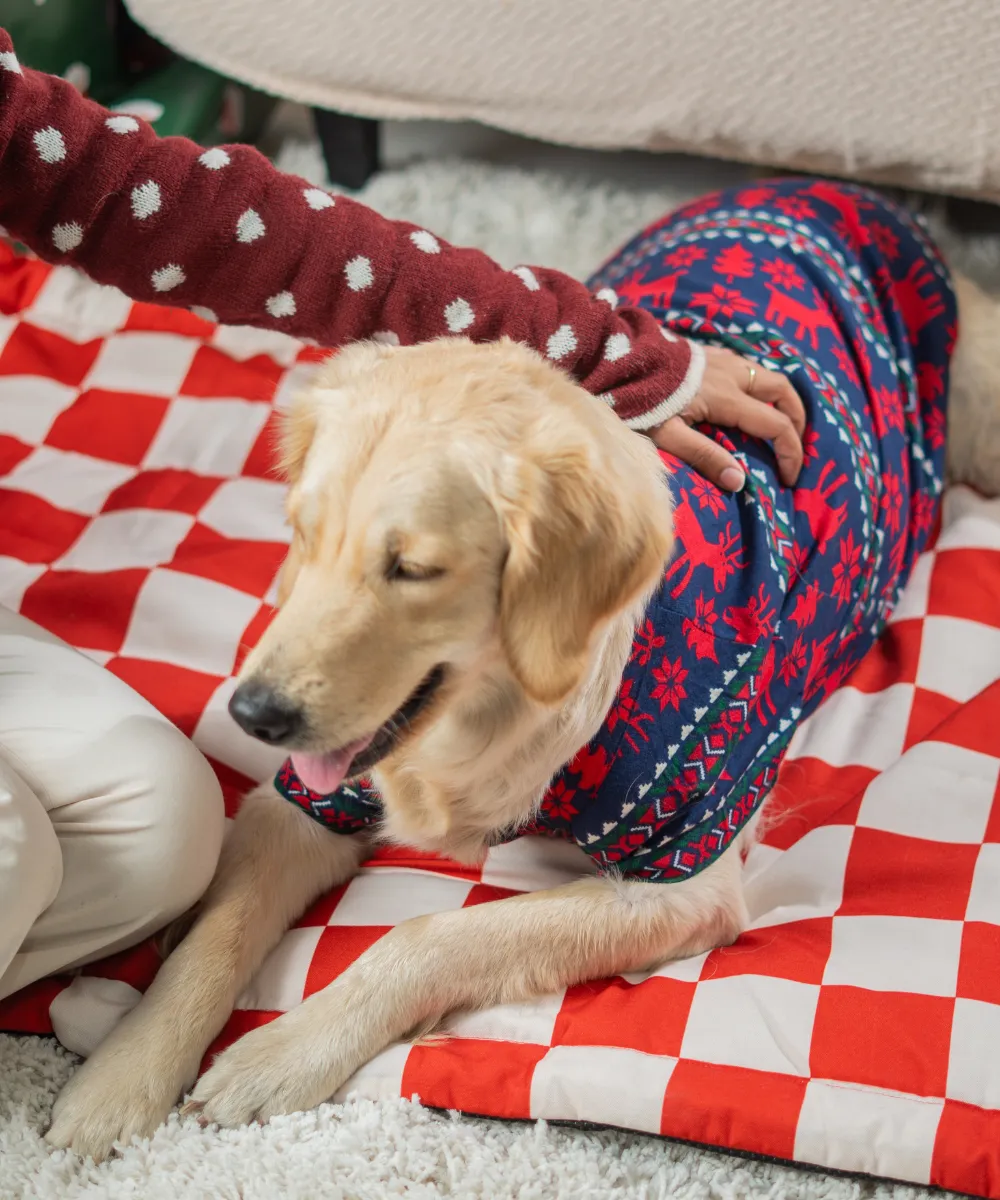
[402, 570]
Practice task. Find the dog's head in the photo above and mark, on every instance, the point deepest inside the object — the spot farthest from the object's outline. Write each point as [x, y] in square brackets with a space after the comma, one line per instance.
[465, 520]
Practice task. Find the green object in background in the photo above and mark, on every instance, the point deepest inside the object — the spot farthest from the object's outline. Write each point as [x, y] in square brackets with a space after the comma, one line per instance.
[82, 40]
[54, 35]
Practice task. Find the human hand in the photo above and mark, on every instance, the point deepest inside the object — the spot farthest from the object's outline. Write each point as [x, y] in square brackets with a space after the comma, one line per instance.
[736, 393]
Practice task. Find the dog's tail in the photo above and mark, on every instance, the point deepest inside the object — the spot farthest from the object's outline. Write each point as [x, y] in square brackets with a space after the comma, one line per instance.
[974, 400]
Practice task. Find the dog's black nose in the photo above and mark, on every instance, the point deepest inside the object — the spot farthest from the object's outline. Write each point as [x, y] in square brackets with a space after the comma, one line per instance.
[264, 713]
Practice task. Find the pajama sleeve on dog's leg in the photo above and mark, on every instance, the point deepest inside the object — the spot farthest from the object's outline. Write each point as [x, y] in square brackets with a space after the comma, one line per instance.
[222, 229]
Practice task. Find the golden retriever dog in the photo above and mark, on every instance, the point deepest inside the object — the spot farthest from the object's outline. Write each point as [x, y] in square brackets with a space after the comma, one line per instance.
[475, 542]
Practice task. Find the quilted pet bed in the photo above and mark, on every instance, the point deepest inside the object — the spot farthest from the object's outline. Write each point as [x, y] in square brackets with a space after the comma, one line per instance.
[855, 1025]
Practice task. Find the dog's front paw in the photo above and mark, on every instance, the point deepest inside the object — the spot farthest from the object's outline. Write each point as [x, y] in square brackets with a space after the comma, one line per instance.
[125, 1089]
[280, 1068]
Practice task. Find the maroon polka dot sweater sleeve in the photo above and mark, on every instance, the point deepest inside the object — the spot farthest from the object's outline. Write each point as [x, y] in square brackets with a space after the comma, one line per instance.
[222, 229]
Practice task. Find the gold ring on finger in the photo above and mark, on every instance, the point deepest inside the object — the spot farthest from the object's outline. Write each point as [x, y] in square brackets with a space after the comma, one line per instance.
[753, 379]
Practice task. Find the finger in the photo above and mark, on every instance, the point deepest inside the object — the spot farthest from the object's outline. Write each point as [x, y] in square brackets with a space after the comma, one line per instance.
[774, 388]
[763, 421]
[707, 457]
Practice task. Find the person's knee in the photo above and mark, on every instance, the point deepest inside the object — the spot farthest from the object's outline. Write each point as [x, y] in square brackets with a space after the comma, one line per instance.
[172, 864]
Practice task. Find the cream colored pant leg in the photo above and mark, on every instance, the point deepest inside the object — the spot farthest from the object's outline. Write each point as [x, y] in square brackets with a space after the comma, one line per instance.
[110, 820]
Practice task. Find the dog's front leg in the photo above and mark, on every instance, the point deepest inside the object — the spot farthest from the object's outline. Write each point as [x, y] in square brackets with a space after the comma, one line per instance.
[494, 953]
[276, 861]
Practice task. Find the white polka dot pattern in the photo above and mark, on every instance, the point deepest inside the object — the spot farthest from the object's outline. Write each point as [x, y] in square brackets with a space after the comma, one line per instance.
[167, 278]
[425, 241]
[616, 347]
[49, 144]
[122, 124]
[250, 226]
[67, 237]
[359, 273]
[458, 315]
[317, 199]
[528, 277]
[561, 343]
[146, 200]
[215, 159]
[8, 61]
[609, 296]
[281, 305]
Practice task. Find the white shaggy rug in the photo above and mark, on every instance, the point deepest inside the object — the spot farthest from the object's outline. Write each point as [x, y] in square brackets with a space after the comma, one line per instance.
[521, 203]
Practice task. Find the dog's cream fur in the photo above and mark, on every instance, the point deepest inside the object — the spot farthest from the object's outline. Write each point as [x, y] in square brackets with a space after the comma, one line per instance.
[548, 522]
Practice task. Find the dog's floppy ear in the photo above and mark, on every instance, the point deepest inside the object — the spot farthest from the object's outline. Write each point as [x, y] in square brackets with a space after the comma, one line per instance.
[297, 430]
[588, 532]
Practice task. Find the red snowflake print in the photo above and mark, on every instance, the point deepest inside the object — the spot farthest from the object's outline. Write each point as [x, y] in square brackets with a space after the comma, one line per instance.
[846, 364]
[754, 197]
[707, 495]
[804, 612]
[885, 239]
[952, 337]
[723, 301]
[646, 641]
[922, 513]
[794, 661]
[848, 234]
[685, 256]
[558, 803]
[930, 378]
[847, 570]
[783, 274]
[795, 207]
[883, 281]
[699, 632]
[810, 446]
[935, 424]
[670, 687]
[753, 620]
[888, 411]
[892, 502]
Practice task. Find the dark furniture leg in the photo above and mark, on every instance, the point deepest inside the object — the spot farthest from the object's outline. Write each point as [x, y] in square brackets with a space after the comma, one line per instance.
[350, 147]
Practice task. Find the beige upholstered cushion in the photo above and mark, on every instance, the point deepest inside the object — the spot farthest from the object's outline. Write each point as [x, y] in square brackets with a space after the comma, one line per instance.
[895, 90]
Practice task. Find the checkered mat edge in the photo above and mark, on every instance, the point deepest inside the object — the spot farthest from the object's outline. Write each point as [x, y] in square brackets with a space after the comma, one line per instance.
[855, 1026]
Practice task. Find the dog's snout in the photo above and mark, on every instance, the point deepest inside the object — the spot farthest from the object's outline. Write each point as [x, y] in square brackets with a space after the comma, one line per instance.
[264, 713]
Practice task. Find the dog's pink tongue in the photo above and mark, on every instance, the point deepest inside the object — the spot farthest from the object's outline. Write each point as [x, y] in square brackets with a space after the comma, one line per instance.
[324, 773]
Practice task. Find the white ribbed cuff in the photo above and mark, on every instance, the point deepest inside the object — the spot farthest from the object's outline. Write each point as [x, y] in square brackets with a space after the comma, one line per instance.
[678, 401]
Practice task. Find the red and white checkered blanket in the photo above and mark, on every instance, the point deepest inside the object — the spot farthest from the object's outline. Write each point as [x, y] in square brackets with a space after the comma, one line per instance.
[855, 1026]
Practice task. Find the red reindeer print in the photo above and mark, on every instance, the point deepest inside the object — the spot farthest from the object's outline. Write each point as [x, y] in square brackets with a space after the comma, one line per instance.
[698, 631]
[782, 308]
[752, 621]
[762, 705]
[804, 612]
[592, 766]
[646, 641]
[847, 205]
[656, 293]
[917, 309]
[824, 520]
[793, 662]
[722, 556]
